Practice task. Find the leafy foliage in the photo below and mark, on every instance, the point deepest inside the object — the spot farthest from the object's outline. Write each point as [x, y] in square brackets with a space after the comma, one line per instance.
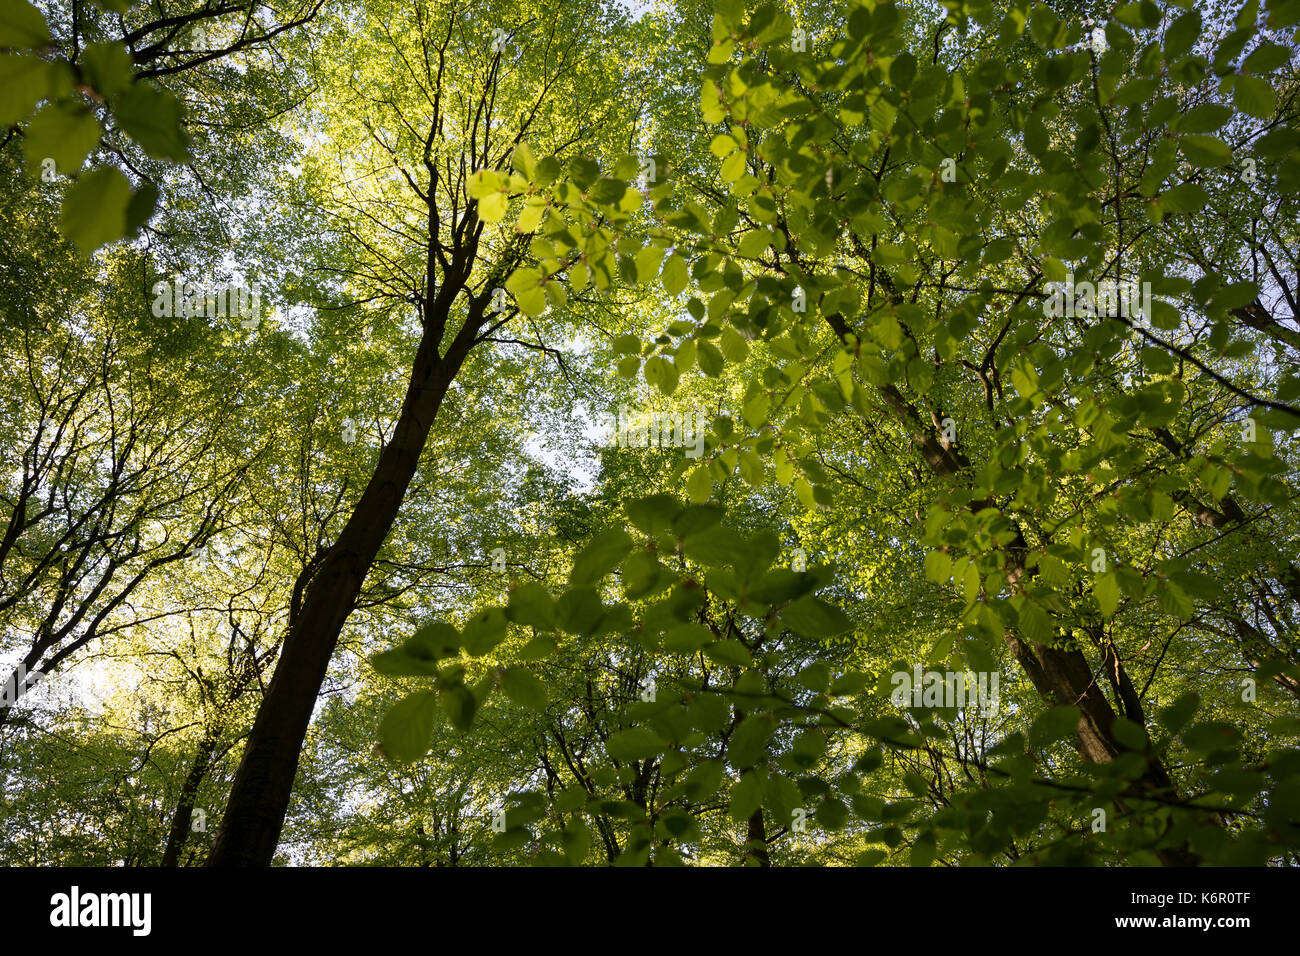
[985, 315]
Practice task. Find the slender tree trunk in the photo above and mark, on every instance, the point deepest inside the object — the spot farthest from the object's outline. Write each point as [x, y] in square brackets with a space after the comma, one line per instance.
[755, 832]
[180, 829]
[259, 798]
[756, 840]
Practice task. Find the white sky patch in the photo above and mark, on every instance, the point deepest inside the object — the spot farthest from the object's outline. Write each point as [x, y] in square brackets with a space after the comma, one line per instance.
[84, 685]
[569, 445]
[636, 9]
[578, 344]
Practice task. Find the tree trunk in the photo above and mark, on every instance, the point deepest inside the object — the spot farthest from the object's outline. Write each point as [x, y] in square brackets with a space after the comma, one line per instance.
[756, 840]
[1062, 676]
[180, 829]
[259, 797]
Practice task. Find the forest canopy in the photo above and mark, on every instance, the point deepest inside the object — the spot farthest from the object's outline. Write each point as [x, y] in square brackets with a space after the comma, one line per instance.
[570, 432]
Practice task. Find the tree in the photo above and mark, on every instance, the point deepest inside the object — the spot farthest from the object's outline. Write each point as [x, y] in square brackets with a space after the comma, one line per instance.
[473, 113]
[705, 433]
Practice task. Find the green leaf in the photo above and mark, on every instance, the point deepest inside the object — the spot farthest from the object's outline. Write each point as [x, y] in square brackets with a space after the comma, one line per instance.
[756, 409]
[1035, 623]
[484, 631]
[419, 655]
[531, 605]
[608, 191]
[882, 113]
[781, 584]
[24, 81]
[64, 132]
[1046, 28]
[1176, 716]
[521, 686]
[583, 171]
[1182, 34]
[152, 117]
[522, 159]
[699, 486]
[803, 490]
[751, 467]
[635, 744]
[1058, 723]
[1129, 734]
[647, 263]
[1217, 480]
[1189, 197]
[143, 202]
[734, 346]
[721, 52]
[483, 182]
[710, 359]
[643, 575]
[813, 617]
[1205, 118]
[548, 171]
[531, 217]
[1266, 58]
[1106, 591]
[754, 243]
[407, 730]
[576, 842]
[653, 515]
[555, 294]
[604, 553]
[684, 357]
[459, 704]
[1255, 96]
[540, 648]
[696, 519]
[723, 145]
[627, 344]
[729, 653]
[902, 70]
[687, 638]
[746, 796]
[108, 68]
[748, 743]
[938, 566]
[717, 547]
[1207, 152]
[674, 277]
[527, 286]
[95, 208]
[21, 25]
[733, 166]
[492, 207]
